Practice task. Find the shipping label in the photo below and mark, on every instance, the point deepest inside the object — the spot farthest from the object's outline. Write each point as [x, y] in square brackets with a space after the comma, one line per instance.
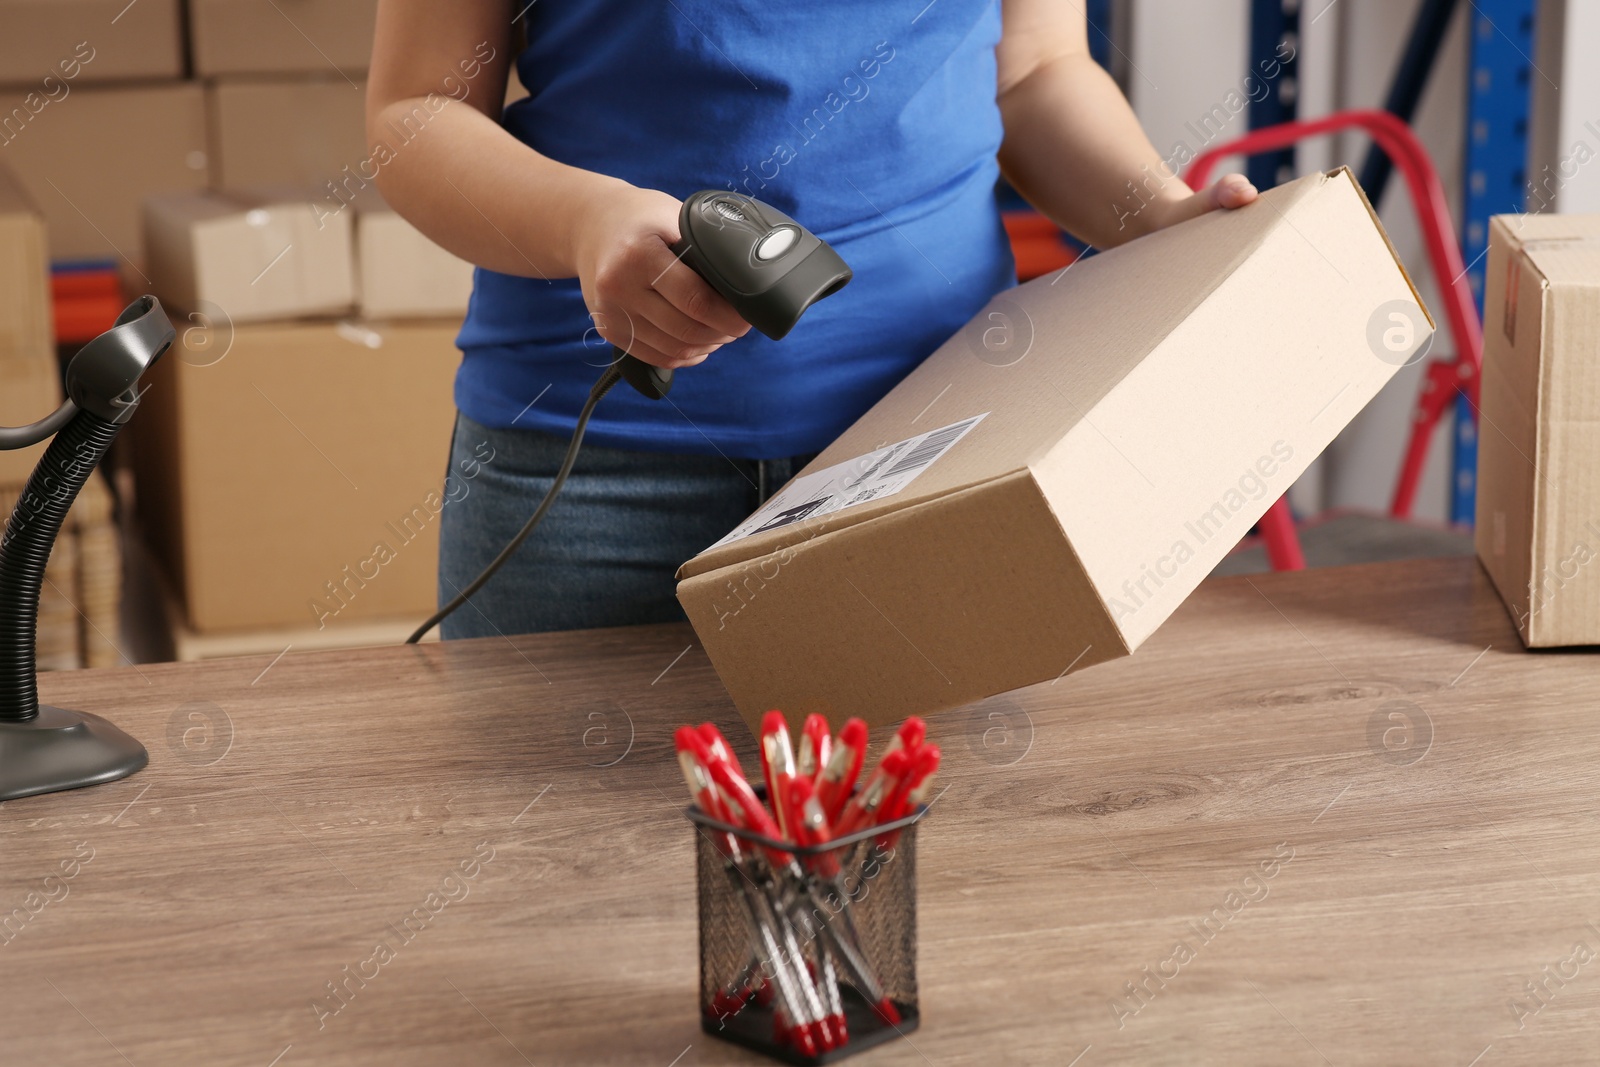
[874, 476]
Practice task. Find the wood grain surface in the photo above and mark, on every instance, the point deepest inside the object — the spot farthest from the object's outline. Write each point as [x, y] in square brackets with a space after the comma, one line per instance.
[1366, 815]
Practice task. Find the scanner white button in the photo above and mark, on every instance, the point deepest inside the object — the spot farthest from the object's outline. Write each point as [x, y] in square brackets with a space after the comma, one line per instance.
[776, 243]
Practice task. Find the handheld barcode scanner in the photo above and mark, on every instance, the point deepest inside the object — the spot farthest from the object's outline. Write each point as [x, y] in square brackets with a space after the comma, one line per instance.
[768, 266]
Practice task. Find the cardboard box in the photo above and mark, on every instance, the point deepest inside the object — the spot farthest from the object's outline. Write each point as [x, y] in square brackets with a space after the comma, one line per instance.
[53, 46]
[251, 256]
[301, 132]
[1538, 518]
[88, 162]
[293, 475]
[400, 273]
[281, 36]
[30, 386]
[1067, 467]
[25, 323]
[29, 390]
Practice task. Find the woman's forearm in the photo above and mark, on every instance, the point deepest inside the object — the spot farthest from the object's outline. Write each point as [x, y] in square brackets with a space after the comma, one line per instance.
[1073, 146]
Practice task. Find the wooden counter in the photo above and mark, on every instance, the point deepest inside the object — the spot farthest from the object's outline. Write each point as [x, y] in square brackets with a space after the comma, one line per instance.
[1427, 789]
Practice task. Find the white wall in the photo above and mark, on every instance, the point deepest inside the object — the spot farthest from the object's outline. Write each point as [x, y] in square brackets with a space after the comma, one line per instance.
[1564, 153]
[1365, 461]
[1185, 57]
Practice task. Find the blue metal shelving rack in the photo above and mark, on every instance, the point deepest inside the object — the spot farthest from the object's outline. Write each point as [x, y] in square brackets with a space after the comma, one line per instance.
[1499, 101]
[1273, 22]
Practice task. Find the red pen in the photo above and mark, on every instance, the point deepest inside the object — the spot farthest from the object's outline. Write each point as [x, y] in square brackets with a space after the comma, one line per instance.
[912, 792]
[700, 771]
[720, 749]
[694, 761]
[814, 1022]
[839, 773]
[810, 825]
[747, 809]
[863, 808]
[812, 1028]
[909, 736]
[815, 745]
[810, 829]
[777, 760]
[924, 761]
[780, 810]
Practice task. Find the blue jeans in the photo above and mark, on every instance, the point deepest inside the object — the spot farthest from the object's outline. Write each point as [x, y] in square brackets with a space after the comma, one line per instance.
[606, 551]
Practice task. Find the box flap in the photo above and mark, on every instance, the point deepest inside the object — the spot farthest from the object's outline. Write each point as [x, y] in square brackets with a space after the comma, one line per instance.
[1563, 249]
[1566, 263]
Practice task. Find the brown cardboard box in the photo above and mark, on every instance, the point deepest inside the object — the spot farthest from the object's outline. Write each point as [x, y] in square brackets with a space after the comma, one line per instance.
[30, 389]
[1538, 520]
[1069, 466]
[295, 476]
[281, 36]
[71, 42]
[30, 386]
[88, 162]
[303, 131]
[400, 273]
[250, 256]
[25, 325]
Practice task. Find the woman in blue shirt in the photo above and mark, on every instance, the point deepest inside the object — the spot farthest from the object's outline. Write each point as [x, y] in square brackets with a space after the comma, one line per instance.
[881, 127]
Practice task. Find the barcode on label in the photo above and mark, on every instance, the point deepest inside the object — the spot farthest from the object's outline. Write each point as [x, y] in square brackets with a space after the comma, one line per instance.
[931, 448]
[864, 496]
[877, 465]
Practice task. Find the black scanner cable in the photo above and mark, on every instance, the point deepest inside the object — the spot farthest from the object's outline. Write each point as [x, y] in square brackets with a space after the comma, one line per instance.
[769, 267]
[612, 376]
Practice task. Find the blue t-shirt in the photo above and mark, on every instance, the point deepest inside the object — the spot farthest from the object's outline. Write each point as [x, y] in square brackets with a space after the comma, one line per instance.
[873, 124]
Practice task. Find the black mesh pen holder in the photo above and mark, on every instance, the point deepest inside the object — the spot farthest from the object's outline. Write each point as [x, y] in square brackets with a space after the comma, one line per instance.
[795, 941]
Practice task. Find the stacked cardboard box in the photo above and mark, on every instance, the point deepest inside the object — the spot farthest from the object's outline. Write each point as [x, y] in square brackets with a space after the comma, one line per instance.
[255, 257]
[230, 37]
[260, 255]
[54, 45]
[308, 135]
[81, 598]
[292, 478]
[29, 385]
[278, 100]
[242, 124]
[313, 447]
[89, 160]
[286, 131]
